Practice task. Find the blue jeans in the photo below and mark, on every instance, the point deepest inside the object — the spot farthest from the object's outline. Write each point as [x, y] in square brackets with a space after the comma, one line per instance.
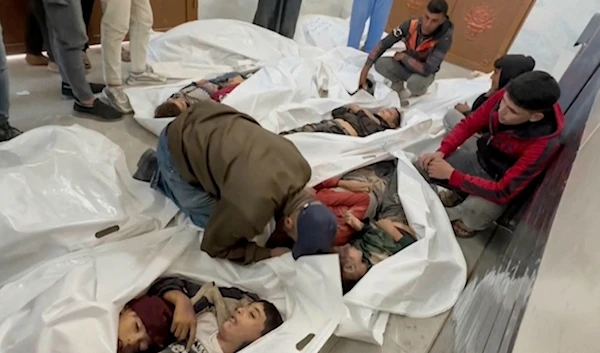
[3, 82]
[378, 11]
[193, 201]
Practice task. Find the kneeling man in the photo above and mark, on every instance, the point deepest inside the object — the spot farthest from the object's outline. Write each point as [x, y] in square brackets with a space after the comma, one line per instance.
[231, 176]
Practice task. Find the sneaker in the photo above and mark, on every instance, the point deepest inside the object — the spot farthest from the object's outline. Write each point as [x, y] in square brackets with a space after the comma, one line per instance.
[147, 165]
[67, 91]
[52, 67]
[147, 77]
[117, 97]
[36, 60]
[99, 109]
[8, 132]
[86, 60]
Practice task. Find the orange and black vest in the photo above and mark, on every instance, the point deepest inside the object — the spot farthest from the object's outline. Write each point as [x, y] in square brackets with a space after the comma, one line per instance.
[418, 46]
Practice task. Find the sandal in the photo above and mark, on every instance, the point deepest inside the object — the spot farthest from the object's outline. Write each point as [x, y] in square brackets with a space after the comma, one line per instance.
[461, 231]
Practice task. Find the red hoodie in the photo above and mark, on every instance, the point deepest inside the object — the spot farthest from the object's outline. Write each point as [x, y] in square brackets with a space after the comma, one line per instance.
[340, 202]
[512, 155]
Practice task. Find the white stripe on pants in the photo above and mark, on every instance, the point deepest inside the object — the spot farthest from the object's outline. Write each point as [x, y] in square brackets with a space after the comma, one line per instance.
[119, 17]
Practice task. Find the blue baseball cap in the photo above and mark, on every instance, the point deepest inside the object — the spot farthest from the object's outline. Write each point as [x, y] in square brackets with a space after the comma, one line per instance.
[316, 226]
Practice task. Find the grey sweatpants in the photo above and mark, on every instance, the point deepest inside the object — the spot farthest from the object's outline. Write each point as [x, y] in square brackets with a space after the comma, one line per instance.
[68, 35]
[475, 212]
[396, 72]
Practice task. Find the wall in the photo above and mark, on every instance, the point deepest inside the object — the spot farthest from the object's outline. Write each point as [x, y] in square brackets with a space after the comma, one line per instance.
[244, 9]
[552, 28]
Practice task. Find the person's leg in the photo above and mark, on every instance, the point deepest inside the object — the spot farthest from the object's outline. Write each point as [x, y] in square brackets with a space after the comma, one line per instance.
[193, 201]
[87, 6]
[289, 17]
[361, 10]
[139, 32]
[452, 118]
[379, 18]
[7, 132]
[267, 13]
[115, 24]
[67, 32]
[392, 70]
[327, 126]
[418, 85]
[34, 41]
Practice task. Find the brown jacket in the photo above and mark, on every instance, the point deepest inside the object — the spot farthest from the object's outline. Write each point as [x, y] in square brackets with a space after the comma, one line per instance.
[253, 173]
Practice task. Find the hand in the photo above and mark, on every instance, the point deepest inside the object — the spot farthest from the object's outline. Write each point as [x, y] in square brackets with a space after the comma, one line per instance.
[279, 251]
[184, 321]
[354, 108]
[439, 169]
[362, 81]
[355, 186]
[399, 56]
[352, 221]
[426, 158]
[462, 107]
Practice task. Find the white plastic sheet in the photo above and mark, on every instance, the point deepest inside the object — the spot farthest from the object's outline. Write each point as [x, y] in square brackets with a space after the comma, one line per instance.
[63, 185]
[71, 304]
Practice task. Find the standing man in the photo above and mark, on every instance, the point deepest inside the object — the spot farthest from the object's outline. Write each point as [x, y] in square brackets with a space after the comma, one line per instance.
[378, 11]
[120, 17]
[231, 176]
[279, 16]
[68, 35]
[7, 132]
[428, 39]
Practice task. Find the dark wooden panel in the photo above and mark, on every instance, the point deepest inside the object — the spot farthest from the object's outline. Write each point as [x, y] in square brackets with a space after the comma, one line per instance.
[13, 16]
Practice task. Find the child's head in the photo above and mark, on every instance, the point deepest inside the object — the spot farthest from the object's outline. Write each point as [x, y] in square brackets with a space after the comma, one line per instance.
[391, 116]
[171, 108]
[352, 262]
[509, 67]
[144, 323]
[250, 322]
[527, 97]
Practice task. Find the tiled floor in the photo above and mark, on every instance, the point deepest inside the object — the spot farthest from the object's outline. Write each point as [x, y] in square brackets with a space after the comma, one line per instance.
[35, 98]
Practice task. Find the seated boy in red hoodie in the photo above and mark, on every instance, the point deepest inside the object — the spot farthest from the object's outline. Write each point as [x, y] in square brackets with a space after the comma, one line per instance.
[521, 127]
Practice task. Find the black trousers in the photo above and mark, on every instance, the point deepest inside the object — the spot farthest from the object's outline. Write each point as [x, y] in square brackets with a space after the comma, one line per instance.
[279, 16]
[36, 31]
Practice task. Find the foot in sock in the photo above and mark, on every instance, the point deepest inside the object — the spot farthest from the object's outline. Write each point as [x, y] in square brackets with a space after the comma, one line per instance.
[67, 91]
[8, 132]
[98, 109]
[147, 165]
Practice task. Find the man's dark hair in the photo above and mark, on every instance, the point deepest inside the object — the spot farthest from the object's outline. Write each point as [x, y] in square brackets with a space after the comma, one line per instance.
[167, 110]
[438, 6]
[273, 317]
[534, 90]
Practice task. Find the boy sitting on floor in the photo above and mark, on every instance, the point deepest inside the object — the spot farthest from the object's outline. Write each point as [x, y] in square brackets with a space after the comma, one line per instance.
[204, 318]
[353, 120]
[216, 89]
[521, 128]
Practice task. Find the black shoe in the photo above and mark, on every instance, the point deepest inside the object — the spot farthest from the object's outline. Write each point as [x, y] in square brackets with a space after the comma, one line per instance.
[99, 109]
[147, 165]
[67, 91]
[8, 132]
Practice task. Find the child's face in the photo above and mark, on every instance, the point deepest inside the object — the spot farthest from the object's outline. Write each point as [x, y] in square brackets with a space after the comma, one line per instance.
[351, 261]
[179, 102]
[246, 324]
[391, 116]
[132, 333]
